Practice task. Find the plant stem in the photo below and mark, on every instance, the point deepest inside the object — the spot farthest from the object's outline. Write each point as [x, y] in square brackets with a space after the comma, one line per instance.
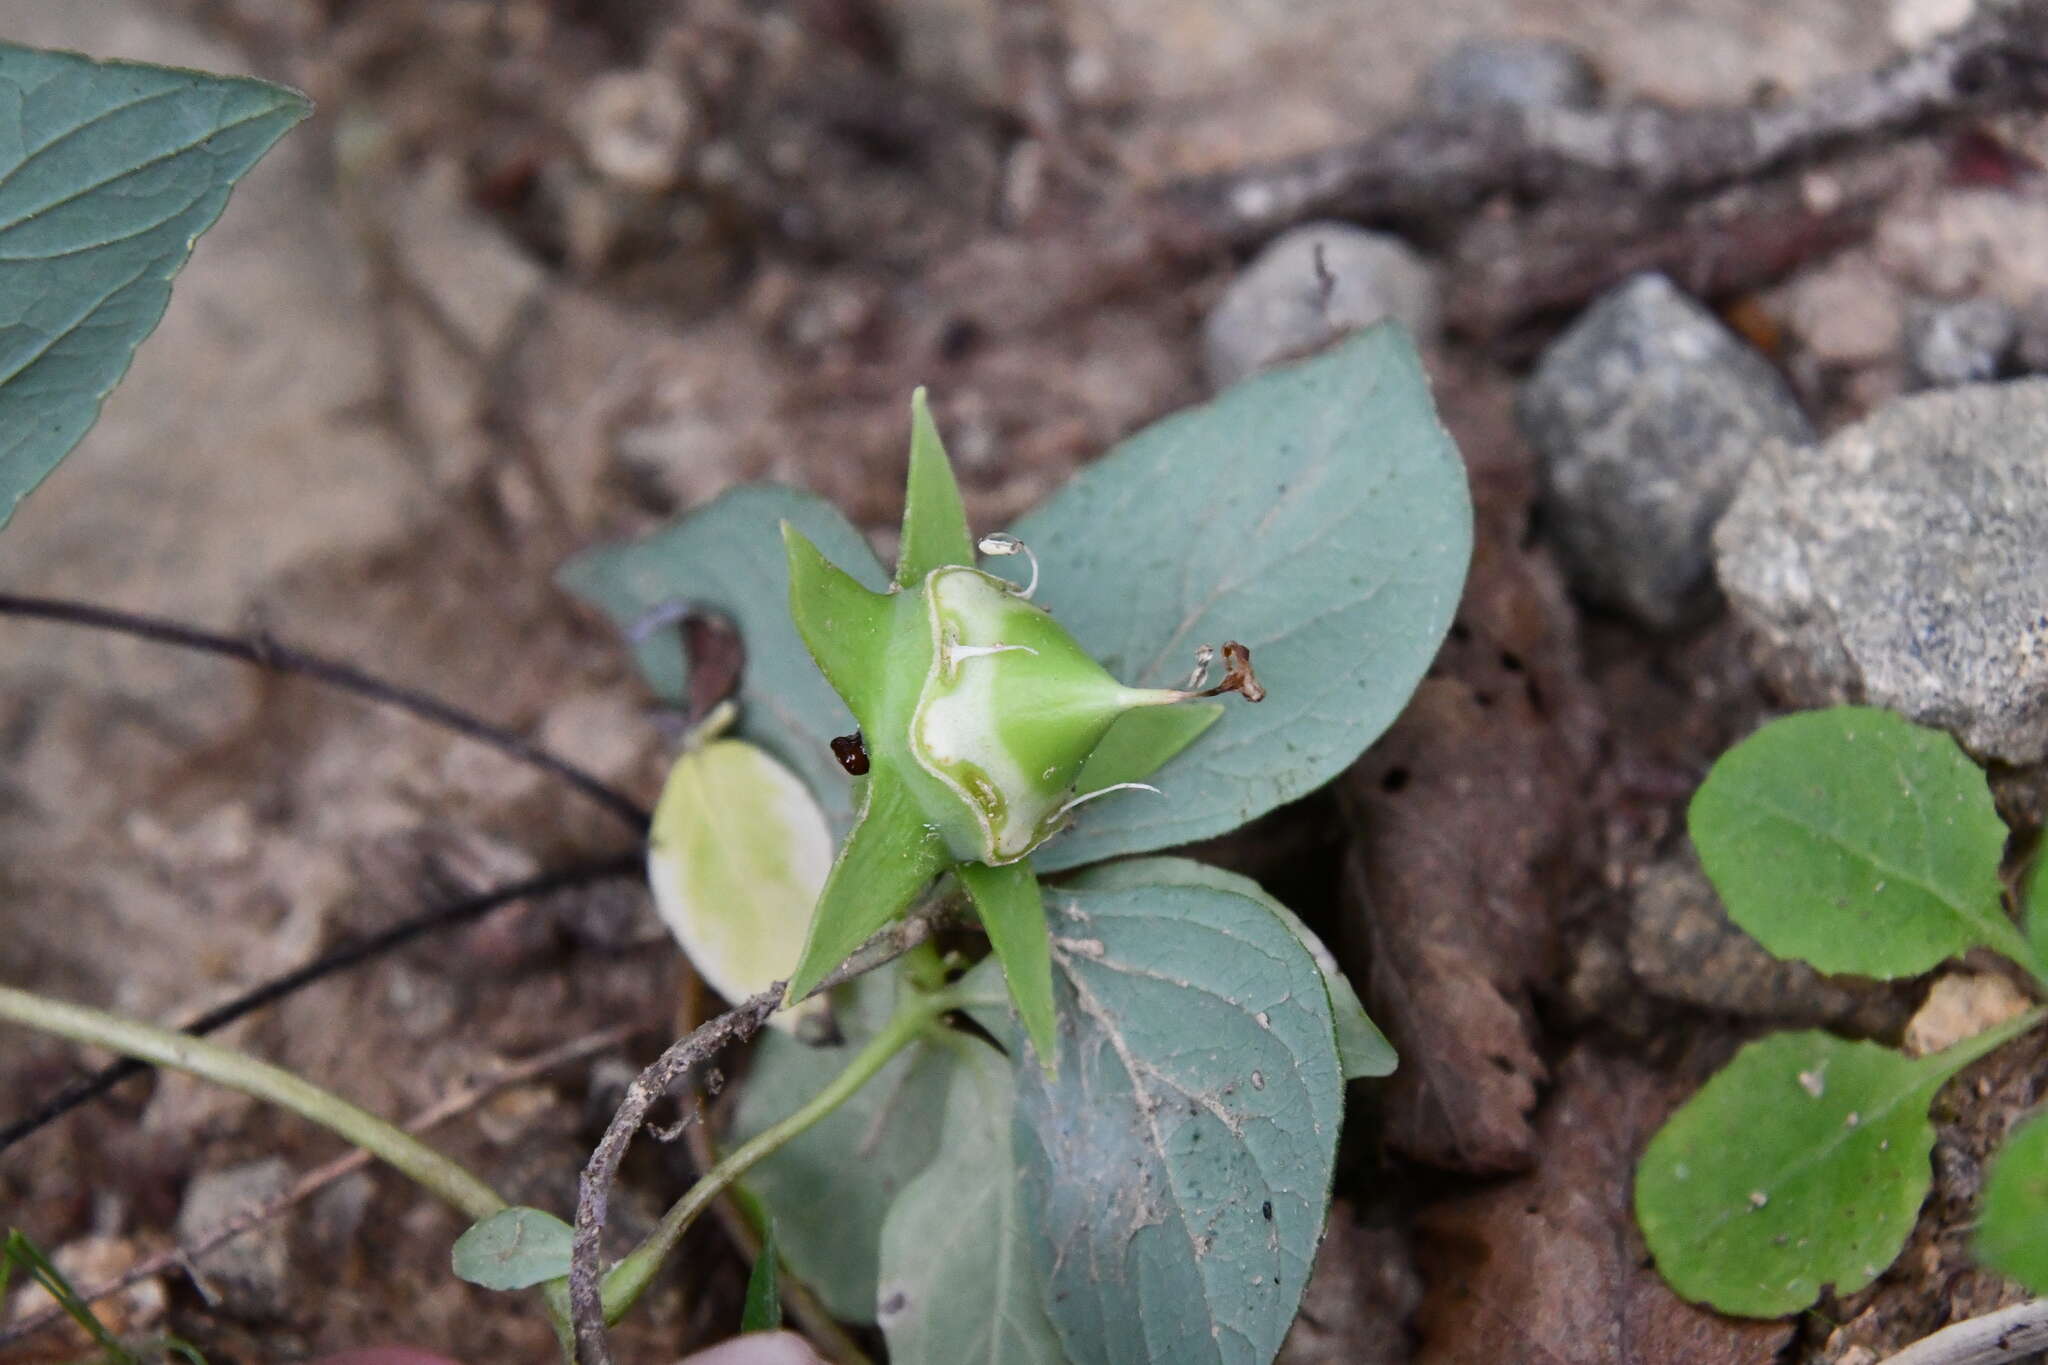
[434, 1172]
[593, 1192]
[626, 1281]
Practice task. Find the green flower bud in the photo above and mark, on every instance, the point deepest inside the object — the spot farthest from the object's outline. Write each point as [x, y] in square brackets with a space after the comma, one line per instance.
[1011, 709]
[983, 723]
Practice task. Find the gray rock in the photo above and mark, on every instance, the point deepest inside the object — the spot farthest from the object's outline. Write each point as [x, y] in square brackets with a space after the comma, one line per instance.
[1959, 343]
[1903, 562]
[1682, 947]
[1510, 73]
[1645, 414]
[2030, 349]
[249, 1276]
[1281, 306]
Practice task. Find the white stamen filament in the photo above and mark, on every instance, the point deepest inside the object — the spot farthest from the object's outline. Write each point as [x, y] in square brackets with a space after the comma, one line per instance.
[1085, 798]
[1002, 543]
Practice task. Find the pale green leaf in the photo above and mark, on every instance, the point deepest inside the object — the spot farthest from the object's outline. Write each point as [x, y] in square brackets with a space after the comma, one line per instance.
[2012, 1228]
[1801, 1165]
[1318, 514]
[959, 1285]
[728, 556]
[109, 171]
[1856, 841]
[514, 1248]
[1177, 1170]
[736, 856]
[829, 1188]
[1363, 1049]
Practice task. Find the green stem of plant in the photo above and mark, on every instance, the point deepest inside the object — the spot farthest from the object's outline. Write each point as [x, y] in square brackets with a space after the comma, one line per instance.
[439, 1175]
[237, 1071]
[923, 968]
[626, 1281]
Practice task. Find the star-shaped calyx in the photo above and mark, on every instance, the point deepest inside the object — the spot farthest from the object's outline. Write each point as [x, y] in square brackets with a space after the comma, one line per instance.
[983, 723]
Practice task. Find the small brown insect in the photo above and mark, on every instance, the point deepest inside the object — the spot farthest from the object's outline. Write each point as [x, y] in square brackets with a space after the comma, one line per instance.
[851, 753]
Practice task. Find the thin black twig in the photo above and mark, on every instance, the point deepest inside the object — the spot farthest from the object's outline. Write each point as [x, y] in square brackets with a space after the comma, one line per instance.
[593, 1194]
[340, 959]
[265, 652]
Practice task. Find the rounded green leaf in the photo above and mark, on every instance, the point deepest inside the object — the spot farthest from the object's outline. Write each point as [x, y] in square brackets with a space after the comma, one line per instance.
[2012, 1229]
[514, 1248]
[958, 1282]
[829, 1188]
[1177, 1169]
[1801, 1165]
[736, 856]
[2034, 906]
[1857, 841]
[728, 555]
[1319, 515]
[109, 171]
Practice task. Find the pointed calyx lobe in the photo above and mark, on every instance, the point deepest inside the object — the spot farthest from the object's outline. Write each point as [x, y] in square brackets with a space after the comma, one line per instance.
[934, 518]
[983, 723]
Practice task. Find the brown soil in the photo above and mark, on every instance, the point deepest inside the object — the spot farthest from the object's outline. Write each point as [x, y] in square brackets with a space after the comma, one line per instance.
[434, 348]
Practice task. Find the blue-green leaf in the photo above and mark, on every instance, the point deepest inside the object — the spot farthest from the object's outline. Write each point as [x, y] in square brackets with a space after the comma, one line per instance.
[728, 555]
[514, 1248]
[959, 1286]
[1177, 1170]
[829, 1188]
[1318, 514]
[1363, 1049]
[109, 171]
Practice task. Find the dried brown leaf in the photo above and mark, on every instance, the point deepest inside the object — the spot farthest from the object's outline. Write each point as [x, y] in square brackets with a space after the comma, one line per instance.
[1549, 1268]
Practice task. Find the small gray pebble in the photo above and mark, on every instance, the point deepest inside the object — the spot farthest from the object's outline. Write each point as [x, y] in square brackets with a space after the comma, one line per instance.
[250, 1276]
[1645, 413]
[1959, 343]
[1282, 306]
[1510, 73]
